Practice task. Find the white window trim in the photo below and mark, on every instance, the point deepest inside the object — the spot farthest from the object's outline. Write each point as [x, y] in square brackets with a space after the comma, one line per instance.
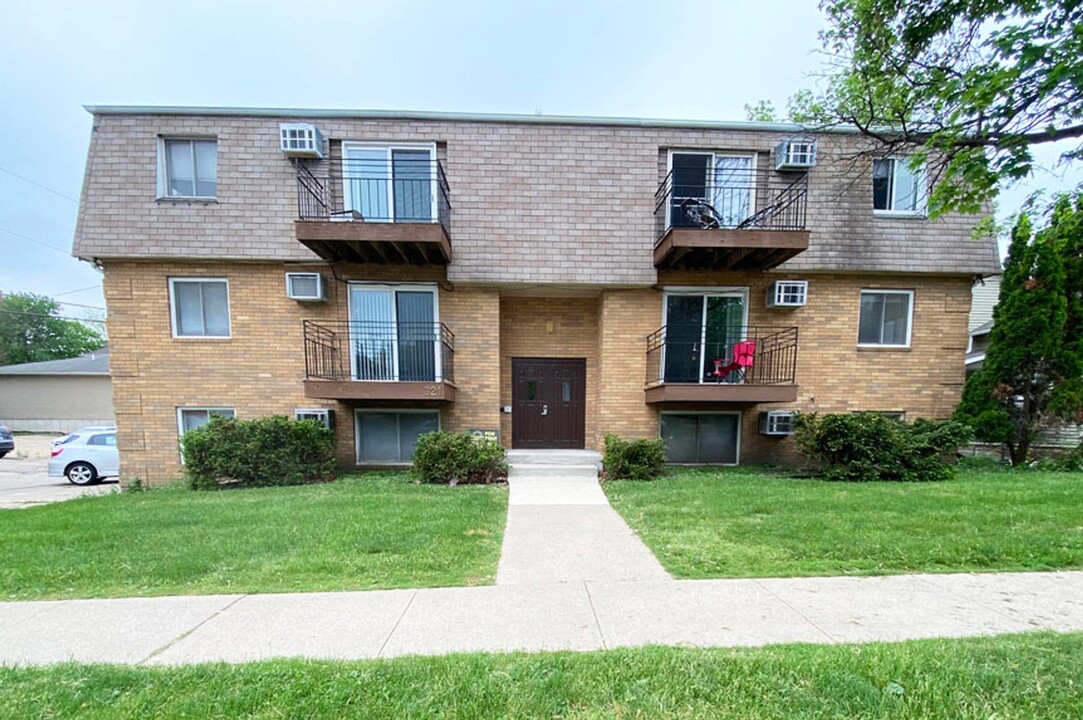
[163, 168]
[740, 431]
[389, 147]
[180, 422]
[173, 309]
[742, 292]
[358, 412]
[403, 287]
[923, 184]
[909, 317]
[713, 154]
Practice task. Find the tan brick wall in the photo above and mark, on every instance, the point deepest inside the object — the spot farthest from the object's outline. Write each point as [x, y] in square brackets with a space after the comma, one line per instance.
[552, 327]
[538, 203]
[259, 370]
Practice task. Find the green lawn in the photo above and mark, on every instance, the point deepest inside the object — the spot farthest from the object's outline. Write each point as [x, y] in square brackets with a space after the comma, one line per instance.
[359, 533]
[1020, 676]
[743, 523]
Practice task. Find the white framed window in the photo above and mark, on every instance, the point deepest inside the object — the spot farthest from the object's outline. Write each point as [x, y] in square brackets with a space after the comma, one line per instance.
[390, 182]
[187, 168]
[389, 437]
[896, 188]
[190, 418]
[710, 438]
[199, 307]
[885, 318]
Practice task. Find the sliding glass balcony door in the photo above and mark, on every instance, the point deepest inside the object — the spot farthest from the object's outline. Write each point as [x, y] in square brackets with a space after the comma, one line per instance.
[722, 180]
[389, 183]
[394, 335]
[700, 329]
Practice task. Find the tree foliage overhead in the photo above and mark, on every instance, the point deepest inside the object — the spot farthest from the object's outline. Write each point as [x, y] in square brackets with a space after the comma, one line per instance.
[1033, 370]
[971, 85]
[30, 331]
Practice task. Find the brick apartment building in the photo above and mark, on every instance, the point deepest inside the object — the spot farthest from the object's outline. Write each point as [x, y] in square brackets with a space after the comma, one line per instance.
[548, 280]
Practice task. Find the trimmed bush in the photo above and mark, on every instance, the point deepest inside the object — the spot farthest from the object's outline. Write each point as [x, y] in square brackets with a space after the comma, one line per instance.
[633, 460]
[870, 447]
[453, 458]
[263, 452]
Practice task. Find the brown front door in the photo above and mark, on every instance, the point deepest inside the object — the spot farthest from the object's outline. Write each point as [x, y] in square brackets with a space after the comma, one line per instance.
[548, 402]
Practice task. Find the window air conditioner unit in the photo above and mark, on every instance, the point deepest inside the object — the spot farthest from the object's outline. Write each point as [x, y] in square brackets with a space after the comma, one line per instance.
[321, 415]
[306, 287]
[787, 293]
[301, 140]
[777, 422]
[795, 154]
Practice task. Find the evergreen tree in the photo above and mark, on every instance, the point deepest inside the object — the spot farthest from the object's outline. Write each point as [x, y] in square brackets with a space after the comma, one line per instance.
[1032, 370]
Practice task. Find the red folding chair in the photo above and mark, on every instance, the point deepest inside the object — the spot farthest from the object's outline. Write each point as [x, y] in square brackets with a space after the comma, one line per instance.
[744, 357]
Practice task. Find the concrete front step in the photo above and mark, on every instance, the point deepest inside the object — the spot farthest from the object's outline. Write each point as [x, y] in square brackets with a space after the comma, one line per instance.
[589, 472]
[554, 457]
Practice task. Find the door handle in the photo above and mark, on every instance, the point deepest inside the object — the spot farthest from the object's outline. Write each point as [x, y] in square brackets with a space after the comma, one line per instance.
[545, 410]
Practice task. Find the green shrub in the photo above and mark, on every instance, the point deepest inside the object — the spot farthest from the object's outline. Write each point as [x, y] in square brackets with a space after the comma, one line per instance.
[453, 458]
[869, 447]
[633, 460]
[258, 453]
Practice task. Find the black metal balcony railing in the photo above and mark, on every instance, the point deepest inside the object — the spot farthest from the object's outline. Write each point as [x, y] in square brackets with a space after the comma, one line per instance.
[403, 190]
[681, 354]
[733, 200]
[379, 351]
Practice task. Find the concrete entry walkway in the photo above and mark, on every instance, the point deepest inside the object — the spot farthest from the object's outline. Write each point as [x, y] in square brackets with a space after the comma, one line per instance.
[561, 528]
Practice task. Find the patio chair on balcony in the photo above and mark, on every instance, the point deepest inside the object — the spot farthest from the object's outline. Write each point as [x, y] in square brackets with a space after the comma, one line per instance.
[744, 357]
[701, 213]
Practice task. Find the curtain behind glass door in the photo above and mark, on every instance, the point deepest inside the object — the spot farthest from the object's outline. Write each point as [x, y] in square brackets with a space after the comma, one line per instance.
[684, 336]
[416, 327]
[372, 334]
[365, 175]
[412, 182]
[731, 194]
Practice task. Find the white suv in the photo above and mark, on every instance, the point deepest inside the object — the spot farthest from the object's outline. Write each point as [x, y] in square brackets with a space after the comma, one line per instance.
[85, 456]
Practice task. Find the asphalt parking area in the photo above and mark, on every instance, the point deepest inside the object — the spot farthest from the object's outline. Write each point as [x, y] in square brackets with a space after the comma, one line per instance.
[25, 481]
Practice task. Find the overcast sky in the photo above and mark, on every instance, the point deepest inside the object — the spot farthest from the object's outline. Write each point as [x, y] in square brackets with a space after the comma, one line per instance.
[691, 60]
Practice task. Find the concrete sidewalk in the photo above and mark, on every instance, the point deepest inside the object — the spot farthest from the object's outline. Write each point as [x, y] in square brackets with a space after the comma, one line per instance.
[559, 616]
[561, 527]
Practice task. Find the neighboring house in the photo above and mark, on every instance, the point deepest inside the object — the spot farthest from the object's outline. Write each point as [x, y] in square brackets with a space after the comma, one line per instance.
[983, 298]
[57, 395]
[545, 280]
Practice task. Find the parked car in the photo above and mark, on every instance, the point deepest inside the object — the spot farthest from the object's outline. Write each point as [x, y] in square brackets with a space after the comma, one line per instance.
[83, 431]
[84, 458]
[7, 441]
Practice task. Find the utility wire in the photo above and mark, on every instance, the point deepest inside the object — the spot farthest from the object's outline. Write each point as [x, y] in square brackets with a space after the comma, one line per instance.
[46, 188]
[45, 315]
[35, 240]
[91, 307]
[72, 292]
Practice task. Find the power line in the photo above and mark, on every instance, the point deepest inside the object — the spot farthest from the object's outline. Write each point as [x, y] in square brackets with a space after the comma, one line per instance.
[37, 184]
[91, 307]
[46, 315]
[35, 240]
[72, 292]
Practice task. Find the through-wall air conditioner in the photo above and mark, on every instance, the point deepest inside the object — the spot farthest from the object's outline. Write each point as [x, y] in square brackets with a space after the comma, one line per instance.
[777, 422]
[301, 140]
[795, 154]
[306, 287]
[787, 294]
[323, 416]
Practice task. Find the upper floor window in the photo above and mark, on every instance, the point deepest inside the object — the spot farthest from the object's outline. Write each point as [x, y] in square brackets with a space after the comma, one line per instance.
[885, 317]
[897, 188]
[199, 307]
[188, 168]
